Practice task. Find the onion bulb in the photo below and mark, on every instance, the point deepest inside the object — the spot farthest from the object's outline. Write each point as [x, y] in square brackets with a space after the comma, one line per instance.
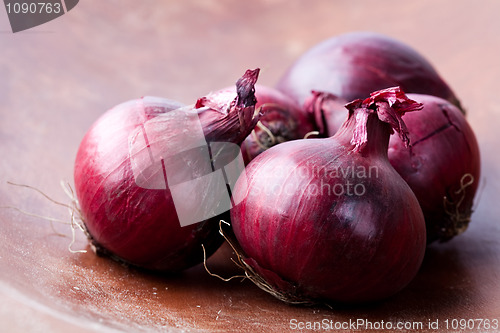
[135, 169]
[442, 166]
[330, 219]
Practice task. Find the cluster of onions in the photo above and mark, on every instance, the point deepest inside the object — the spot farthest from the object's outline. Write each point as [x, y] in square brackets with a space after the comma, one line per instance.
[342, 218]
[330, 219]
[132, 157]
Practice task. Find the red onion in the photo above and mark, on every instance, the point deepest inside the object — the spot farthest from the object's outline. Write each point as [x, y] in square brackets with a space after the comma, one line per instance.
[355, 64]
[330, 219]
[442, 166]
[135, 158]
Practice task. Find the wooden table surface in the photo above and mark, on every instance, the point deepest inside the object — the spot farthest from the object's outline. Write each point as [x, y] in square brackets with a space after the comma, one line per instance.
[56, 79]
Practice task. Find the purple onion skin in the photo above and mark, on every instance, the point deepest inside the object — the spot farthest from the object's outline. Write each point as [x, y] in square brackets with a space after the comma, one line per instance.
[323, 246]
[355, 64]
[444, 149]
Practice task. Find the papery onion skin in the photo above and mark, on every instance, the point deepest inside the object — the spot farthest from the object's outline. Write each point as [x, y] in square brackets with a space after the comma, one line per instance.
[442, 166]
[353, 65]
[138, 225]
[324, 246]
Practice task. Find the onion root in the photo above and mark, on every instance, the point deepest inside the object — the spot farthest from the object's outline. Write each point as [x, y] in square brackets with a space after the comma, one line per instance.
[459, 220]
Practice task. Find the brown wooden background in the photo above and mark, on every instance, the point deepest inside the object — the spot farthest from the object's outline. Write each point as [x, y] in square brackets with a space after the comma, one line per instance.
[56, 79]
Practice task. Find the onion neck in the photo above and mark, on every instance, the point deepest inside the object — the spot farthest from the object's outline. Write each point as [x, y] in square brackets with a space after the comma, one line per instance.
[230, 120]
[377, 134]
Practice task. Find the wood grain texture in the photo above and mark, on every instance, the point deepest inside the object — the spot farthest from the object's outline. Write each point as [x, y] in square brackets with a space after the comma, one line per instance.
[56, 79]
